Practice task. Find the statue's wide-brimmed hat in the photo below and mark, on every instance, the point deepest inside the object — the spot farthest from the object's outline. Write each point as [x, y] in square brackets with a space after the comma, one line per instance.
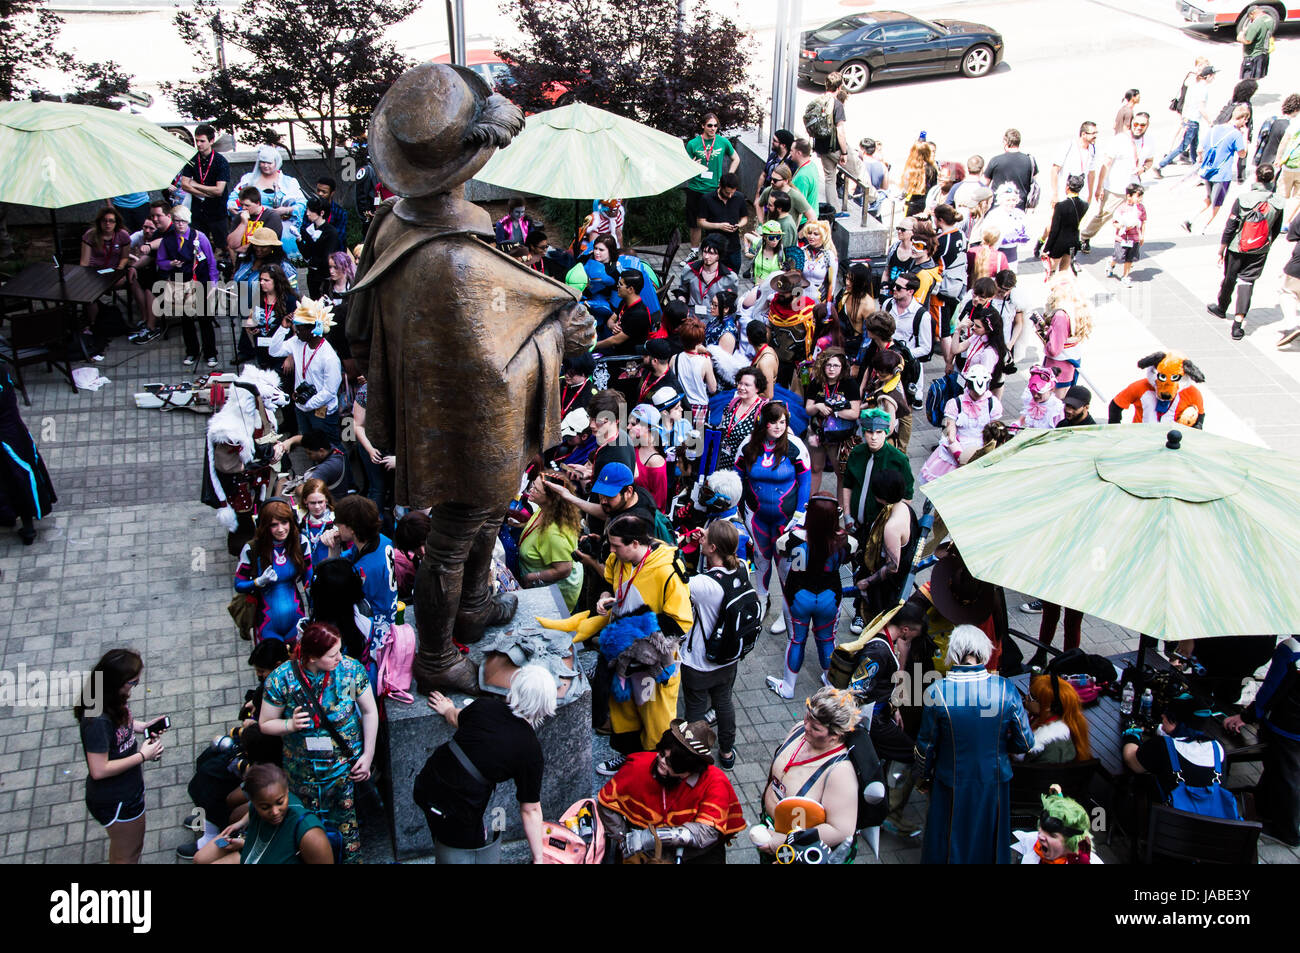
[436, 126]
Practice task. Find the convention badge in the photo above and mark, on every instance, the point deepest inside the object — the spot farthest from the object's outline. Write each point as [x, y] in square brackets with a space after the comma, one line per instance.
[319, 743]
[701, 309]
[265, 342]
[706, 174]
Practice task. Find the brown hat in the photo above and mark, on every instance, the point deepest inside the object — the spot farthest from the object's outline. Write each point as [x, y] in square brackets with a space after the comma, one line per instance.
[437, 126]
[957, 594]
[788, 282]
[695, 736]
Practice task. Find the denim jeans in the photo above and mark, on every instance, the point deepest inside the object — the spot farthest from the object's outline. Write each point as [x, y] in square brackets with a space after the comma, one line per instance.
[1188, 143]
[328, 425]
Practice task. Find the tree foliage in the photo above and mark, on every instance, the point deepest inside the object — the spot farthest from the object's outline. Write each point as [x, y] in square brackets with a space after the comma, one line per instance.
[323, 63]
[634, 58]
[29, 31]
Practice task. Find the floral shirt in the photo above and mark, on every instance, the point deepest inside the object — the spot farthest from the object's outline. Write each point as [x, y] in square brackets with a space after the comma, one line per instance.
[308, 759]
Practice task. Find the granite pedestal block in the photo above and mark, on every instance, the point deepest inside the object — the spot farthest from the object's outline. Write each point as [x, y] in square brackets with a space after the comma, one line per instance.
[854, 241]
[414, 731]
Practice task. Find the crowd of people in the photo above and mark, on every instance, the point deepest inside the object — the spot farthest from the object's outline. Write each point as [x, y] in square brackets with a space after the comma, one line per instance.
[733, 458]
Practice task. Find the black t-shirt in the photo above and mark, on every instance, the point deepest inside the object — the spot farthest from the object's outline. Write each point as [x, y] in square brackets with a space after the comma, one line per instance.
[100, 736]
[501, 745]
[634, 319]
[1014, 167]
[714, 209]
[1292, 267]
[1154, 757]
[209, 171]
[1276, 132]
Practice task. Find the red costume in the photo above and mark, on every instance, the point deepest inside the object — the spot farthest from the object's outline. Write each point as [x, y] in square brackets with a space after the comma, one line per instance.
[635, 794]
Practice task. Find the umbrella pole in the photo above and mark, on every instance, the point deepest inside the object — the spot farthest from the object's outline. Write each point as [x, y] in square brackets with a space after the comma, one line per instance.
[58, 245]
[1138, 679]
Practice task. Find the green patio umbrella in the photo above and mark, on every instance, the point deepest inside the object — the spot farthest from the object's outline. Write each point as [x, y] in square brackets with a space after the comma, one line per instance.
[581, 152]
[1177, 534]
[58, 154]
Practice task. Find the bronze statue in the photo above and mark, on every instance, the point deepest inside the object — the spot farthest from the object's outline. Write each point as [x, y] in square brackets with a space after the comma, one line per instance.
[461, 347]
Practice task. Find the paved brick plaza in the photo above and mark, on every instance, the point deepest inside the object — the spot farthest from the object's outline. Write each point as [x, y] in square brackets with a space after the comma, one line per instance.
[132, 558]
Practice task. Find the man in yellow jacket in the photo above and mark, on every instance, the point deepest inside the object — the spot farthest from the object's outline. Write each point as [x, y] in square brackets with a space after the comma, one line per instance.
[642, 621]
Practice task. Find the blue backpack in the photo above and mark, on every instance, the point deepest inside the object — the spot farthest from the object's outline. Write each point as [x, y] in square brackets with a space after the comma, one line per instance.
[1213, 800]
[937, 395]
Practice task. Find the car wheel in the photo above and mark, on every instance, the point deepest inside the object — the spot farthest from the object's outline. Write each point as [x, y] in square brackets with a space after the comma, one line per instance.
[977, 61]
[856, 76]
[1269, 11]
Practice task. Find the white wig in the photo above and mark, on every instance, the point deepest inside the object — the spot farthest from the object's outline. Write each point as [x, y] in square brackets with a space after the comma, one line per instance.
[532, 694]
[269, 153]
[968, 640]
[726, 483]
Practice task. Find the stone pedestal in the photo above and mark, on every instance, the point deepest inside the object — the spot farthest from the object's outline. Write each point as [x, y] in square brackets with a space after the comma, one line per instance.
[414, 731]
[854, 241]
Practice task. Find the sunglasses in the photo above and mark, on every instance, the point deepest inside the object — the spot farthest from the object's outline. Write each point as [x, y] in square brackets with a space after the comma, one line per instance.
[710, 125]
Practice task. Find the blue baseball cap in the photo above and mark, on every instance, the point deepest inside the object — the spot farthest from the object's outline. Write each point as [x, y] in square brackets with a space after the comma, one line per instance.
[614, 478]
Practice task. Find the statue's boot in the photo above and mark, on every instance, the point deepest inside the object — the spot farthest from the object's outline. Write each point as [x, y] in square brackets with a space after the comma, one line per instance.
[478, 608]
[439, 665]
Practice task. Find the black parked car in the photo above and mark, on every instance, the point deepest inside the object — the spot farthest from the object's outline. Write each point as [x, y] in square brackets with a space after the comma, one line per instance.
[886, 44]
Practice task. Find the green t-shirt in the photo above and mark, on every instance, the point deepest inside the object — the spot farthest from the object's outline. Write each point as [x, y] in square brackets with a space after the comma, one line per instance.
[800, 210]
[265, 843]
[714, 156]
[539, 549]
[1257, 36]
[808, 180]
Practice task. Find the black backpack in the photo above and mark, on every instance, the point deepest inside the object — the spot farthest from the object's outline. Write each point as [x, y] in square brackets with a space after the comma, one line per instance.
[865, 761]
[740, 618]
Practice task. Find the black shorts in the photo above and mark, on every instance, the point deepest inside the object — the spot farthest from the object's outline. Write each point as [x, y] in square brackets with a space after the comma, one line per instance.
[1125, 253]
[693, 211]
[109, 813]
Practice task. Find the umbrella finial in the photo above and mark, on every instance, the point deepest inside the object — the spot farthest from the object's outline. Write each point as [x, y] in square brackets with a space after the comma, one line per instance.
[1174, 440]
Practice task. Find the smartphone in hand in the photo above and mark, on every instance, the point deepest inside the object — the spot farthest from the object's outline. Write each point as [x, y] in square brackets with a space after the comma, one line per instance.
[158, 726]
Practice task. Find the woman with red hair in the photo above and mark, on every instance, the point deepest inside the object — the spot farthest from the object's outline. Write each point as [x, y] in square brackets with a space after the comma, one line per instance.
[327, 746]
[1056, 715]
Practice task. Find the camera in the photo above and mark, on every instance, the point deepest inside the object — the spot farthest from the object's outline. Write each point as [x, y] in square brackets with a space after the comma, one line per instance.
[304, 392]
[590, 546]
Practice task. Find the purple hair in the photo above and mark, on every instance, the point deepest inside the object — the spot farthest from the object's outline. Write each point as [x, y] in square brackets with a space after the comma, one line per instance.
[345, 265]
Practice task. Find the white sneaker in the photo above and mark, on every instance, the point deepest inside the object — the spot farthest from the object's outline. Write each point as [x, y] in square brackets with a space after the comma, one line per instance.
[778, 687]
[190, 360]
[778, 627]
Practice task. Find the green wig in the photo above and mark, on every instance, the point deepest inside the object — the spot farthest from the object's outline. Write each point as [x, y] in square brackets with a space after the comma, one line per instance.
[1070, 814]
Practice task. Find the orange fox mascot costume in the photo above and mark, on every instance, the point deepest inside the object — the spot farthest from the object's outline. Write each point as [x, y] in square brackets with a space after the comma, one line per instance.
[1165, 395]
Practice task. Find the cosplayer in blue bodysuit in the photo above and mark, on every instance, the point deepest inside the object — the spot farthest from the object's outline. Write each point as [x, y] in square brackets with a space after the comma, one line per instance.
[379, 591]
[275, 586]
[811, 580]
[776, 488]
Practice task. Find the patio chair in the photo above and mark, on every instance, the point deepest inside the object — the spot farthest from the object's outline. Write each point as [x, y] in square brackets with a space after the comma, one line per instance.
[1031, 780]
[1180, 836]
[35, 336]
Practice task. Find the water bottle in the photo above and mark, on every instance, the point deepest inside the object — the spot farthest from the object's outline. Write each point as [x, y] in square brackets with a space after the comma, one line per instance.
[1147, 698]
[1126, 700]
